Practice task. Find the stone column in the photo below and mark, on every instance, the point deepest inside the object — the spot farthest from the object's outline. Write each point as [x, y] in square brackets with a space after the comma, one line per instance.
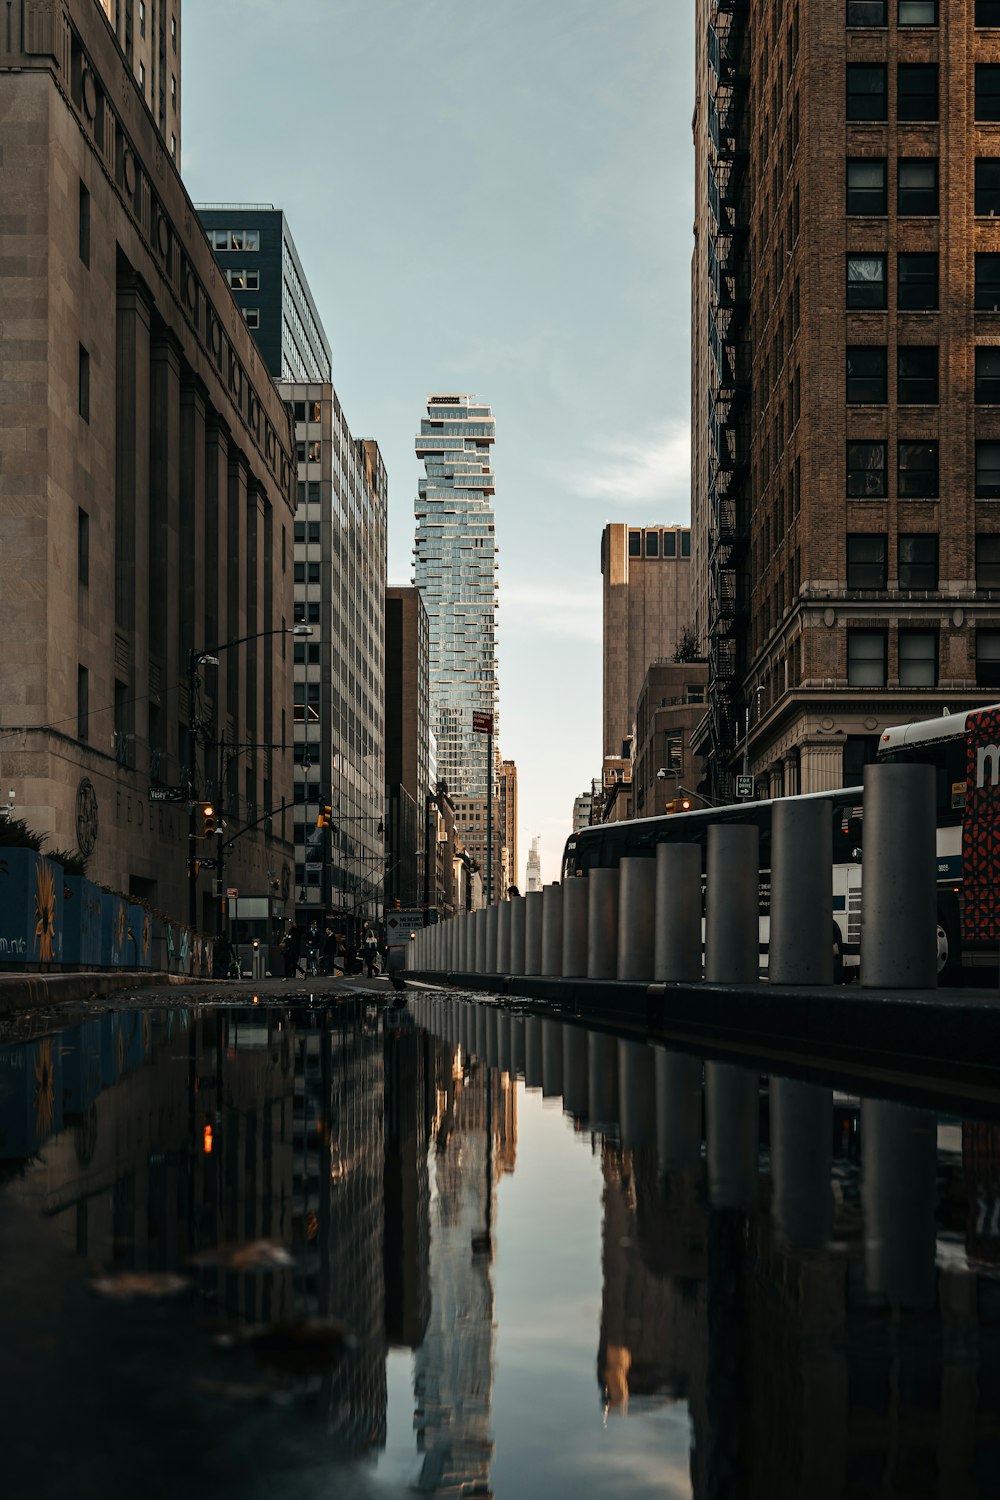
[800, 949]
[732, 926]
[503, 938]
[677, 956]
[552, 930]
[517, 946]
[899, 889]
[636, 920]
[533, 932]
[576, 897]
[602, 924]
[131, 540]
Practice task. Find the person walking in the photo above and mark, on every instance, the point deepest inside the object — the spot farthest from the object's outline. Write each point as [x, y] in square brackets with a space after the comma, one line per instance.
[370, 949]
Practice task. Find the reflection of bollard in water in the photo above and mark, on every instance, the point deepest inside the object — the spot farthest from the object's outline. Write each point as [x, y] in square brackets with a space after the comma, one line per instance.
[636, 1094]
[732, 1111]
[899, 1194]
[678, 1110]
[800, 950]
[552, 1079]
[532, 1052]
[801, 1161]
[517, 1046]
[636, 919]
[575, 1070]
[602, 1080]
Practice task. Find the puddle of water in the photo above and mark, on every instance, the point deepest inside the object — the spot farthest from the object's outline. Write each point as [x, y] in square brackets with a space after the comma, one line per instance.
[289, 1250]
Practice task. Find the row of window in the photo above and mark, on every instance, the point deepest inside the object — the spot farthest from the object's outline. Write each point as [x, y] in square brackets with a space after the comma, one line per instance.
[917, 470]
[234, 239]
[917, 191]
[868, 655]
[243, 279]
[916, 92]
[914, 13]
[916, 375]
[916, 561]
[916, 281]
[659, 544]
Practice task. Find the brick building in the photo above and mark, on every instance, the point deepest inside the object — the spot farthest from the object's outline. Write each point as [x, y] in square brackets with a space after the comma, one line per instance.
[846, 429]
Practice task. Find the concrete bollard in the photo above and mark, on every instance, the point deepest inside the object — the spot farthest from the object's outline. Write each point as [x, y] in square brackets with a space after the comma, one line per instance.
[480, 964]
[532, 1052]
[533, 932]
[898, 1192]
[800, 948]
[732, 1112]
[552, 930]
[899, 888]
[677, 948]
[801, 1161]
[574, 1071]
[602, 924]
[636, 1094]
[636, 919]
[576, 896]
[602, 1081]
[517, 935]
[503, 938]
[678, 1110]
[491, 940]
[552, 1074]
[732, 925]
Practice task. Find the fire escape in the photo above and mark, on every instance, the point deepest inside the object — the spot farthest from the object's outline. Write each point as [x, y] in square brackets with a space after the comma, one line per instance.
[728, 386]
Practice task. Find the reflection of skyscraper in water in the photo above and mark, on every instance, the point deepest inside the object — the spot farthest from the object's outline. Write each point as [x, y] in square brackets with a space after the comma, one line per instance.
[406, 1245]
[475, 1128]
[338, 1214]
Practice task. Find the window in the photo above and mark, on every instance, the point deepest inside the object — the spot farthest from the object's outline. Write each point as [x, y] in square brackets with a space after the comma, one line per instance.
[83, 393]
[670, 544]
[685, 544]
[652, 544]
[252, 316]
[988, 561]
[988, 12]
[987, 376]
[142, 78]
[987, 282]
[242, 280]
[312, 572]
[866, 185]
[173, 33]
[917, 91]
[917, 561]
[173, 145]
[82, 548]
[918, 13]
[84, 225]
[987, 186]
[988, 658]
[866, 281]
[916, 282]
[82, 702]
[866, 658]
[635, 544]
[988, 471]
[866, 471]
[866, 91]
[173, 91]
[917, 185]
[866, 561]
[918, 658]
[988, 91]
[917, 471]
[313, 452]
[142, 17]
[299, 528]
[866, 375]
[917, 375]
[867, 12]
[298, 572]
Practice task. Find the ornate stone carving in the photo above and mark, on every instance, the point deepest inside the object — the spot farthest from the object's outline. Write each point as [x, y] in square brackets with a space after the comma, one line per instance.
[86, 817]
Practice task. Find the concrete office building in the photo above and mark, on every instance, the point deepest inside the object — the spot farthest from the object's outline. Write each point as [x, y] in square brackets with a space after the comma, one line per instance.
[146, 483]
[455, 567]
[254, 246]
[148, 33]
[845, 440]
[533, 868]
[671, 706]
[582, 808]
[407, 745]
[647, 609]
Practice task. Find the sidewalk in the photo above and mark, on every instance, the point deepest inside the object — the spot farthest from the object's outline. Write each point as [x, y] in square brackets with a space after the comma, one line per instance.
[42, 991]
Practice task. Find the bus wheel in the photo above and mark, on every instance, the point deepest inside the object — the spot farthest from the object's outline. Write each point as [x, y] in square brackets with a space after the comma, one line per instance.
[949, 954]
[838, 957]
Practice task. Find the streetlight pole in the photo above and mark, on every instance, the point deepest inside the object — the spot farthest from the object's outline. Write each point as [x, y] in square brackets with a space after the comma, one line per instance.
[196, 659]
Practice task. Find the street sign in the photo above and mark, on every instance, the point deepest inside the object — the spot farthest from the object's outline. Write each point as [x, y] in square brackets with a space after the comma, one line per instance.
[744, 786]
[482, 723]
[232, 892]
[167, 794]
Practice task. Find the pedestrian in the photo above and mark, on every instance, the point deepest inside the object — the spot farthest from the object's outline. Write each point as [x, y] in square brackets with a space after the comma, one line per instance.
[290, 951]
[370, 948]
[330, 952]
[312, 948]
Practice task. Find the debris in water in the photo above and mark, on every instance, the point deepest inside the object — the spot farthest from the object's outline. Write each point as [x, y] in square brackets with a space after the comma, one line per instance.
[126, 1286]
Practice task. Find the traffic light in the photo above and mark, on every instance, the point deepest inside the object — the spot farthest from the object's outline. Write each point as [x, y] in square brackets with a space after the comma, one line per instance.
[324, 818]
[208, 827]
[397, 903]
[680, 804]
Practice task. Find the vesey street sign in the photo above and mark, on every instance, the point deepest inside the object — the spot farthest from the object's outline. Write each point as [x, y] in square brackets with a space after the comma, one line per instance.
[167, 794]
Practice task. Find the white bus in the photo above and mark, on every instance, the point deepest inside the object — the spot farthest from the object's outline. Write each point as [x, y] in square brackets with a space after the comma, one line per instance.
[964, 750]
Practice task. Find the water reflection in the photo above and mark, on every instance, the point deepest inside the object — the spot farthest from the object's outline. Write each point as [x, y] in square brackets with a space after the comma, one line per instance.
[808, 1277]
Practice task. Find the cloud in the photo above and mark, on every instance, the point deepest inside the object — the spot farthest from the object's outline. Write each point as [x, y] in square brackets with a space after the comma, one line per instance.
[542, 610]
[630, 471]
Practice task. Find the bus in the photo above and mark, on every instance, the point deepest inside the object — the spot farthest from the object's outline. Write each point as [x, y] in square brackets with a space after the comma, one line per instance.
[604, 846]
[964, 750]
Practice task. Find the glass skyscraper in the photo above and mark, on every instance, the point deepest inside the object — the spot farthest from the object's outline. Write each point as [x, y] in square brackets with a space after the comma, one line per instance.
[455, 567]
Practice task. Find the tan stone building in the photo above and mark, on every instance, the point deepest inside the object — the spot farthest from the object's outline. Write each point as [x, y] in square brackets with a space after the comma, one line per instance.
[846, 436]
[647, 608]
[146, 483]
[671, 706]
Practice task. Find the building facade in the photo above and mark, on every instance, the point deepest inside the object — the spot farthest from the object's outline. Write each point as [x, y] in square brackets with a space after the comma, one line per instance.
[148, 33]
[646, 616]
[846, 440]
[407, 744]
[455, 567]
[582, 808]
[255, 249]
[146, 487]
[533, 868]
[671, 706]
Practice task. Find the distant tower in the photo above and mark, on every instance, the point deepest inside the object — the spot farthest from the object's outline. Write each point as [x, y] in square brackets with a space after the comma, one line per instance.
[455, 569]
[534, 880]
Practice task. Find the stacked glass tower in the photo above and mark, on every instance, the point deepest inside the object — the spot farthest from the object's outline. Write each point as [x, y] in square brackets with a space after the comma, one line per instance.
[455, 568]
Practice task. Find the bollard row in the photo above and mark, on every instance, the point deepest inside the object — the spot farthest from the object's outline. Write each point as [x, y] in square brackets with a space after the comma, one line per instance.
[648, 921]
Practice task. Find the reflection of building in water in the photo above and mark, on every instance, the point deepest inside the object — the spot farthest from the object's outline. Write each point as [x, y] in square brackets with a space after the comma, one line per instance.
[337, 1211]
[475, 1127]
[406, 1242]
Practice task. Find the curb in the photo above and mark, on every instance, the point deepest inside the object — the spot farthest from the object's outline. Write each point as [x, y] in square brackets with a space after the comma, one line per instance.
[28, 991]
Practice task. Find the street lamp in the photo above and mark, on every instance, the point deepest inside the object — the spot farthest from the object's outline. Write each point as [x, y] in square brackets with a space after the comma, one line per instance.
[210, 658]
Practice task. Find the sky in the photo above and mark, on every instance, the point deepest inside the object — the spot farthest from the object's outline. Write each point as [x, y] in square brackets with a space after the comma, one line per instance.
[498, 199]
